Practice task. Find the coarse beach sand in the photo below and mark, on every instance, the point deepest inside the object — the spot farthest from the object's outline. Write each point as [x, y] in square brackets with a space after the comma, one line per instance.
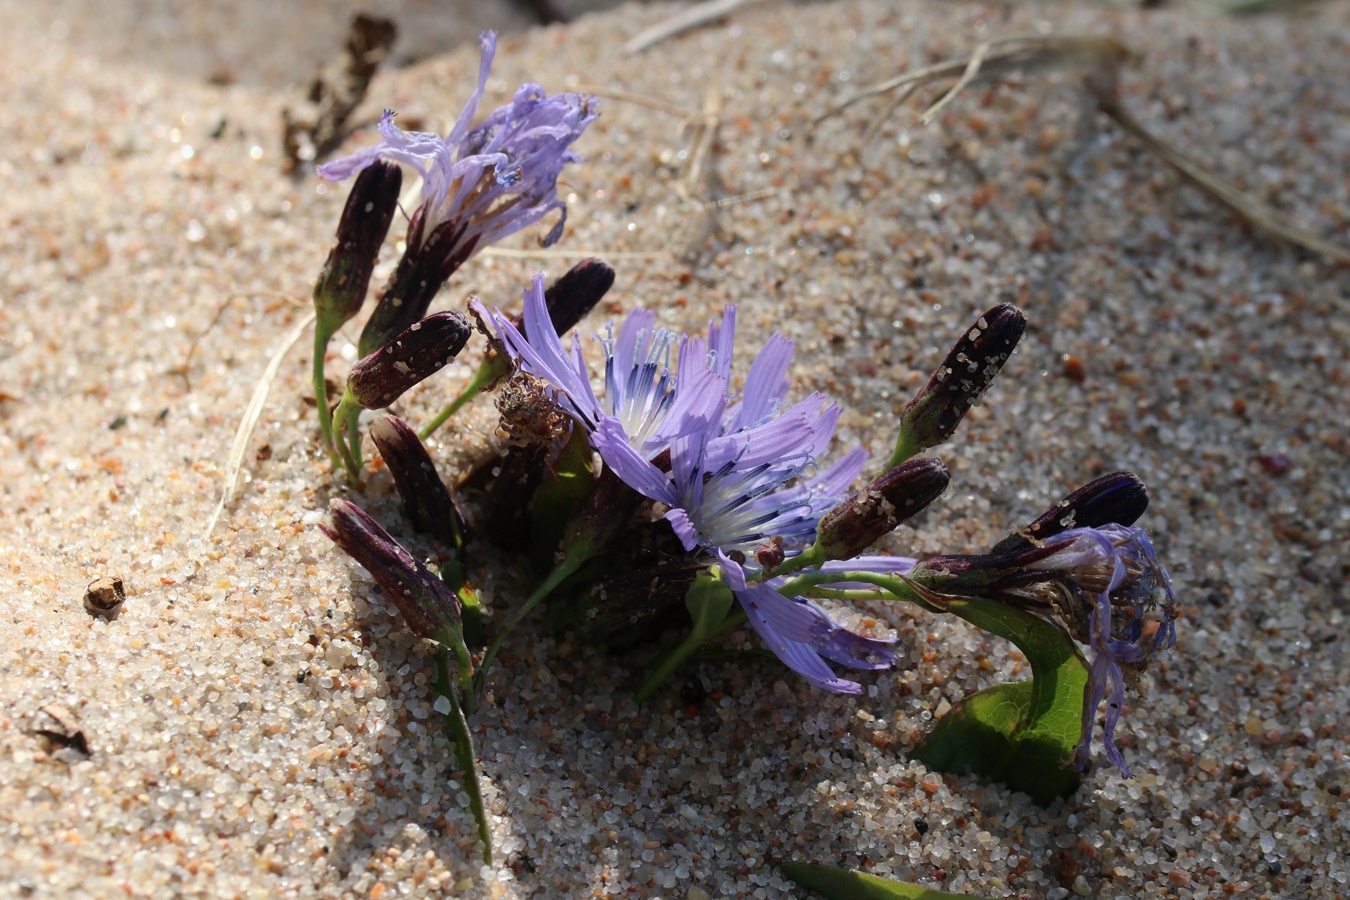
[259, 724]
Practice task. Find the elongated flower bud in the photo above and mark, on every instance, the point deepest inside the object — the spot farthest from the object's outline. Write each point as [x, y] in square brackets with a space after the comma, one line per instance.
[427, 604]
[932, 416]
[1116, 499]
[873, 512]
[575, 294]
[341, 288]
[416, 354]
[427, 501]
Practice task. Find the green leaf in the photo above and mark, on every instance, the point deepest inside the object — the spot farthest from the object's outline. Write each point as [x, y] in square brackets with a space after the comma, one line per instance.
[842, 884]
[1021, 734]
[568, 481]
[708, 601]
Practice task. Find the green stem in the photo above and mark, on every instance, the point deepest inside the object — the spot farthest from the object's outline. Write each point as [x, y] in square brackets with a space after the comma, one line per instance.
[347, 420]
[906, 448]
[464, 672]
[321, 338]
[807, 558]
[488, 372]
[560, 572]
[691, 645]
[463, 738]
[669, 665]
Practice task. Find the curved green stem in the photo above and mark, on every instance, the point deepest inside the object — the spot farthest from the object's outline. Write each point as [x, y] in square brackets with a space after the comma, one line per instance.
[560, 572]
[463, 739]
[321, 338]
[348, 438]
[669, 665]
[488, 372]
[906, 448]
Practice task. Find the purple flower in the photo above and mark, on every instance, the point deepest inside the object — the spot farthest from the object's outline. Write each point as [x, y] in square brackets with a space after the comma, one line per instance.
[642, 399]
[742, 470]
[479, 185]
[803, 635]
[1104, 585]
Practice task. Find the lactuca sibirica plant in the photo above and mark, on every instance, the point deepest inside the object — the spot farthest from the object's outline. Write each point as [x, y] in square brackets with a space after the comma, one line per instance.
[669, 481]
[480, 183]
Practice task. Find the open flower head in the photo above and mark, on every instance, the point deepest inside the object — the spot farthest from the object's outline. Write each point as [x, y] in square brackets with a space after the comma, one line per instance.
[479, 184]
[736, 471]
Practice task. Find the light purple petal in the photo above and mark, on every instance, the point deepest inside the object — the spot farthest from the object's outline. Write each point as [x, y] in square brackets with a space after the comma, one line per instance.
[767, 383]
[857, 652]
[487, 44]
[721, 338]
[793, 620]
[611, 443]
[684, 529]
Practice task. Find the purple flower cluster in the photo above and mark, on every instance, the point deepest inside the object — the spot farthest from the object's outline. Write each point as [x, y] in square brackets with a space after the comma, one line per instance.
[490, 180]
[734, 470]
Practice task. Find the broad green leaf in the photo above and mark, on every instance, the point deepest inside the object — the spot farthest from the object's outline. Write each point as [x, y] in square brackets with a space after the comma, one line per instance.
[842, 884]
[1021, 734]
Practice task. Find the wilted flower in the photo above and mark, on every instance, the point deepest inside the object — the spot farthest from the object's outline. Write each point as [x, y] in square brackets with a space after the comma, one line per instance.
[480, 184]
[1104, 585]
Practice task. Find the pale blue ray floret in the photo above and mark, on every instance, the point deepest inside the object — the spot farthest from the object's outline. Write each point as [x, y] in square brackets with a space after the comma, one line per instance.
[742, 469]
[493, 179]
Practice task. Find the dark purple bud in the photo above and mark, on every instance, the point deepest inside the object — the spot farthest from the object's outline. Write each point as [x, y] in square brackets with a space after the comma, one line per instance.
[575, 294]
[416, 354]
[1116, 499]
[957, 385]
[341, 288]
[873, 512]
[427, 604]
[426, 265]
[427, 501]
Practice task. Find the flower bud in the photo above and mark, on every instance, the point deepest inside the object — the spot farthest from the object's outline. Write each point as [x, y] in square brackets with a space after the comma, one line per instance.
[1116, 499]
[863, 519]
[575, 294]
[427, 604]
[416, 354]
[341, 288]
[427, 501]
[957, 385]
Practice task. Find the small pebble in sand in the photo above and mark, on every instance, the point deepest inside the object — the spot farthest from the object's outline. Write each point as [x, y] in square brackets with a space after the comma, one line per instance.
[104, 597]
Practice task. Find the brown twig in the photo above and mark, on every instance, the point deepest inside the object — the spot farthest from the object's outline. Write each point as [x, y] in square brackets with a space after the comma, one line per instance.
[999, 56]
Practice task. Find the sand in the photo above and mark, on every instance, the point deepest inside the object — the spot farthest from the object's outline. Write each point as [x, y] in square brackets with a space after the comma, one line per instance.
[258, 724]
